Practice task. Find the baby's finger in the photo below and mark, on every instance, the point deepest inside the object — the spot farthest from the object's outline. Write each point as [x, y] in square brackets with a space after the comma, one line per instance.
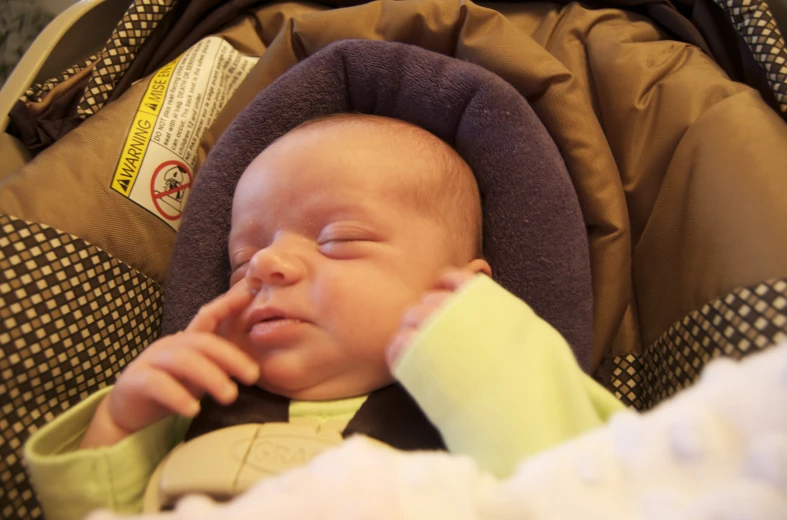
[224, 353]
[193, 389]
[194, 370]
[162, 388]
[454, 279]
[434, 299]
[212, 314]
[417, 314]
[400, 342]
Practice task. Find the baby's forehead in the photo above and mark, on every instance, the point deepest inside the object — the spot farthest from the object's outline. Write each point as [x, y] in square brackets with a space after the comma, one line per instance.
[388, 140]
[381, 132]
[352, 153]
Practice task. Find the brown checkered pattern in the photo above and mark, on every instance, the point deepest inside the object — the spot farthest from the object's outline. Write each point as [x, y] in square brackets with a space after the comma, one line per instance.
[137, 23]
[72, 316]
[744, 321]
[752, 20]
[36, 93]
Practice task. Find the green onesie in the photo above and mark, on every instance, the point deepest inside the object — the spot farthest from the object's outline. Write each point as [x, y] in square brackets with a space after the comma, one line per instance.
[499, 383]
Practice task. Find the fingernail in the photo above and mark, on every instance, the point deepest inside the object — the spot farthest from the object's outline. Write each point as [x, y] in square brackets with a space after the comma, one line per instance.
[193, 408]
[230, 392]
[254, 285]
[252, 374]
[398, 345]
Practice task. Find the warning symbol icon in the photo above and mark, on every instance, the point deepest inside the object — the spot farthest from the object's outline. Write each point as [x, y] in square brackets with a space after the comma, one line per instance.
[169, 188]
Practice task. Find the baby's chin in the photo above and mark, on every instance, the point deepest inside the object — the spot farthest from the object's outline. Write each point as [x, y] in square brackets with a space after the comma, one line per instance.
[300, 384]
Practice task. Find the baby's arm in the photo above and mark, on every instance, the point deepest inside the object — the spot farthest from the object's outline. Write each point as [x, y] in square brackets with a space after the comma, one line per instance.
[70, 482]
[498, 381]
[133, 425]
[173, 373]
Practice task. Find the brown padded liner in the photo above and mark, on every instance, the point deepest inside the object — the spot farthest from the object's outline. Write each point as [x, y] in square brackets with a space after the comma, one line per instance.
[680, 171]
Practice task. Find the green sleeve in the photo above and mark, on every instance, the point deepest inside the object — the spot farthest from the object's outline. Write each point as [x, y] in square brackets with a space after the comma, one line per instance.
[71, 482]
[498, 381]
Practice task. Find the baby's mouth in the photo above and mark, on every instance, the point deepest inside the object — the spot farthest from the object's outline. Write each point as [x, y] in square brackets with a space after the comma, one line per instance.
[274, 318]
[266, 314]
[270, 324]
[278, 320]
[276, 330]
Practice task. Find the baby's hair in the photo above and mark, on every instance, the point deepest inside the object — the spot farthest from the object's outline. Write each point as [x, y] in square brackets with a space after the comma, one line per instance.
[452, 195]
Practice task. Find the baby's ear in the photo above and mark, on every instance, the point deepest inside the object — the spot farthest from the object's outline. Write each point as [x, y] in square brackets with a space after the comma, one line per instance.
[479, 265]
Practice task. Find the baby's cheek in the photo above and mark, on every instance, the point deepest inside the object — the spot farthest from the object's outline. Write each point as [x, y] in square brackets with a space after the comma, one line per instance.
[364, 309]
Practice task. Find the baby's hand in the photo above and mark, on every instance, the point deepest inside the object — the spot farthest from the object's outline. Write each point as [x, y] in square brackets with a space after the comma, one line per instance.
[416, 315]
[173, 373]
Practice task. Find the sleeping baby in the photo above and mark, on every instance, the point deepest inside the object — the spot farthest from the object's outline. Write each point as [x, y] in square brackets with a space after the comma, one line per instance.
[355, 268]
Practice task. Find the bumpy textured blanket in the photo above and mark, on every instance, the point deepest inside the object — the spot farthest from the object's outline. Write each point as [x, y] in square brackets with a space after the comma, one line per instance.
[717, 450]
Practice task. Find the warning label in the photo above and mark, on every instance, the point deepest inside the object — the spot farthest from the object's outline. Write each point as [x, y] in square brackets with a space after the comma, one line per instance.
[182, 100]
[168, 188]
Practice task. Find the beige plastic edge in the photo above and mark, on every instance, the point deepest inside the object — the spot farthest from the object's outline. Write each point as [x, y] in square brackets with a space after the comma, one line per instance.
[13, 154]
[25, 72]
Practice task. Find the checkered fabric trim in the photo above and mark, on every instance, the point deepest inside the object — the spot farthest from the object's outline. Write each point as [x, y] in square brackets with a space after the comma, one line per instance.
[136, 25]
[72, 316]
[36, 93]
[744, 321]
[752, 20]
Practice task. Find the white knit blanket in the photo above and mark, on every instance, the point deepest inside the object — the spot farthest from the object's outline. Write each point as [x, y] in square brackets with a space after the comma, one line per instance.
[717, 450]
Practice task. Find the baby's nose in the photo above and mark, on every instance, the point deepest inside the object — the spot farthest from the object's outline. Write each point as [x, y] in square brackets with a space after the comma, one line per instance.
[273, 266]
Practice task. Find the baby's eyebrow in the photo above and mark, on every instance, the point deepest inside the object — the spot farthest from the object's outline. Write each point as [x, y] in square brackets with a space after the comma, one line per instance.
[236, 256]
[327, 208]
[243, 235]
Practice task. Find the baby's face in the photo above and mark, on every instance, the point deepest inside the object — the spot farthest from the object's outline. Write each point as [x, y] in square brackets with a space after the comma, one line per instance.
[323, 225]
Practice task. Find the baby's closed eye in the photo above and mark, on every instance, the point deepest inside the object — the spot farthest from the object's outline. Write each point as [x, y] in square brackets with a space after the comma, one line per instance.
[345, 241]
[237, 273]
